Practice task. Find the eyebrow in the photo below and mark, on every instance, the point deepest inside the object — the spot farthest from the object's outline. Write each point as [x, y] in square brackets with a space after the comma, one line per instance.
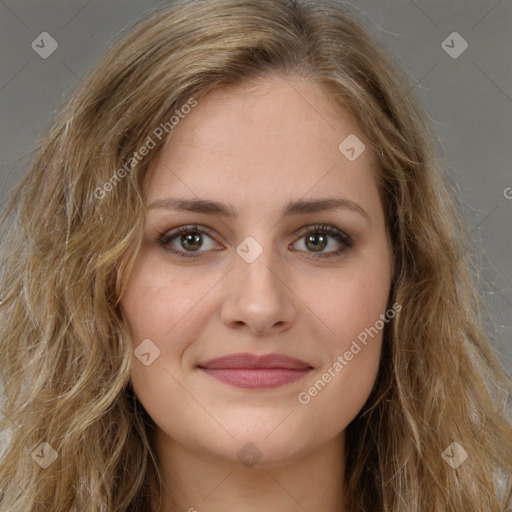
[299, 207]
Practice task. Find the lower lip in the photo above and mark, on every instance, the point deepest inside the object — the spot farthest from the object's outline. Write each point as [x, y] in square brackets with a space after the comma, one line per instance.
[259, 378]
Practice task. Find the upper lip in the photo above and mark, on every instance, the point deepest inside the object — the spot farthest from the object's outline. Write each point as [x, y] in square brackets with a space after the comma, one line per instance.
[254, 361]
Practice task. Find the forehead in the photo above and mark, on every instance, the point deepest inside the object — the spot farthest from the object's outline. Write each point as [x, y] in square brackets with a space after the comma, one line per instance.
[232, 120]
[262, 141]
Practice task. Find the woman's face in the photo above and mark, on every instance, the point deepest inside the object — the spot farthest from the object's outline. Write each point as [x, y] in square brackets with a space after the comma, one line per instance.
[263, 267]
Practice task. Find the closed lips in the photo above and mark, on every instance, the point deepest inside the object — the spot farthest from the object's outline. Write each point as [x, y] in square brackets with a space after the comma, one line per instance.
[251, 371]
[252, 361]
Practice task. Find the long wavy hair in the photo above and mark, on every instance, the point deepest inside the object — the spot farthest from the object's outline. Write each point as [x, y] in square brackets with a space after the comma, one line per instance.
[72, 229]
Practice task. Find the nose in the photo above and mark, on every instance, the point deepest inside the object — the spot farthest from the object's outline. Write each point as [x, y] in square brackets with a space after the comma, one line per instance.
[258, 297]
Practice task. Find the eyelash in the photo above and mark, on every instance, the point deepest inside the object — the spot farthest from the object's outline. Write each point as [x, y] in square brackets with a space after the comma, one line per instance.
[165, 239]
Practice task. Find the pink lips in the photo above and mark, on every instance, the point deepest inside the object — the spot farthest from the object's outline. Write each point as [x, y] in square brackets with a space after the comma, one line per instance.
[256, 372]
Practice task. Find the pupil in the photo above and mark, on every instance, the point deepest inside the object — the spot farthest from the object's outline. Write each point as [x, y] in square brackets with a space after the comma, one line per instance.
[191, 241]
[314, 239]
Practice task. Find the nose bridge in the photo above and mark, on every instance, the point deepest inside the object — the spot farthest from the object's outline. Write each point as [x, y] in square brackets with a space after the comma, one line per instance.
[257, 267]
[258, 294]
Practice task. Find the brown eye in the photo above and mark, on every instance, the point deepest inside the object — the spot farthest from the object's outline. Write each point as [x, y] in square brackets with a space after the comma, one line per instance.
[192, 241]
[316, 242]
[318, 237]
[184, 241]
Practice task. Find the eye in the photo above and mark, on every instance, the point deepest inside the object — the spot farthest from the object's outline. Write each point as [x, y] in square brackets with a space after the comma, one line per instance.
[316, 239]
[188, 241]
[190, 238]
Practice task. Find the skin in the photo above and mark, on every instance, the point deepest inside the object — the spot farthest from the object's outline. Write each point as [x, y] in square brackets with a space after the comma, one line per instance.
[258, 147]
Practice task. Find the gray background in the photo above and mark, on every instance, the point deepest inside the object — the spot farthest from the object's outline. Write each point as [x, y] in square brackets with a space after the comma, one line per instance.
[468, 98]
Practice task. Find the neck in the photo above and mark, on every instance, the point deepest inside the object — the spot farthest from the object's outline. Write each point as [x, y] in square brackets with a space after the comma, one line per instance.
[195, 482]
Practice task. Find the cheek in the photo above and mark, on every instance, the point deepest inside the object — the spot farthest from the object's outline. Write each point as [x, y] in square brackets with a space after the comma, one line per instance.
[353, 307]
[352, 301]
[156, 300]
[339, 390]
[154, 304]
[169, 310]
[332, 401]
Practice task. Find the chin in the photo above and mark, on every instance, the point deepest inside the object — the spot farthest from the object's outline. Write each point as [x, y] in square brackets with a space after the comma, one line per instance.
[259, 447]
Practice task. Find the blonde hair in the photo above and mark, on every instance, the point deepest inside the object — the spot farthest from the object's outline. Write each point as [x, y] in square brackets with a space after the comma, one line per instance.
[70, 241]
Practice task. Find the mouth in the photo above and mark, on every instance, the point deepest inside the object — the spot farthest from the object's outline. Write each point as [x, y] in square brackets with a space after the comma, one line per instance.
[251, 371]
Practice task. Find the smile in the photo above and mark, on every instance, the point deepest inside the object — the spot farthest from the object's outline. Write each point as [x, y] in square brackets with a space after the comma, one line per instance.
[256, 372]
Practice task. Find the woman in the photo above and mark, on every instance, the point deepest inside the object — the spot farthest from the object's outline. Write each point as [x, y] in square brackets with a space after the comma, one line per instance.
[234, 277]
